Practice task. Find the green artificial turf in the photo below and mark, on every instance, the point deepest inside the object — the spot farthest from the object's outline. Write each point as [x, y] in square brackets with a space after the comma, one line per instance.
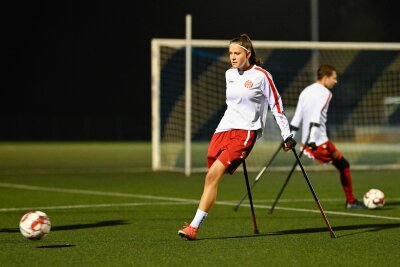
[108, 208]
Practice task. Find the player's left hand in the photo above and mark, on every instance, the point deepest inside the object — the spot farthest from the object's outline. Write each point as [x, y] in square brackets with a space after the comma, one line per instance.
[289, 143]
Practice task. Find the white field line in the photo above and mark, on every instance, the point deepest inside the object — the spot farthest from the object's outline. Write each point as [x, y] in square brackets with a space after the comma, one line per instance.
[310, 200]
[91, 192]
[317, 211]
[93, 170]
[287, 200]
[182, 201]
[97, 206]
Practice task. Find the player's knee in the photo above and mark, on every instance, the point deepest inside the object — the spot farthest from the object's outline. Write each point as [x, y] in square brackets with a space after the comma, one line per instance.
[341, 164]
[346, 164]
[212, 180]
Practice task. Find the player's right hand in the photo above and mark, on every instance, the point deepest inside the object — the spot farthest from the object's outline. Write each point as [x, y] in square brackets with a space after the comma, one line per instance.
[312, 146]
[289, 143]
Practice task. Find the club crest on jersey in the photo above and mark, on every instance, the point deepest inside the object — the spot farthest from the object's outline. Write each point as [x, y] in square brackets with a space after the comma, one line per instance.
[248, 84]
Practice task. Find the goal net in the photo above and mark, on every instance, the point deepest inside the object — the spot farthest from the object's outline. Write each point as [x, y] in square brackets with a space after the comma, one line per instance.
[363, 117]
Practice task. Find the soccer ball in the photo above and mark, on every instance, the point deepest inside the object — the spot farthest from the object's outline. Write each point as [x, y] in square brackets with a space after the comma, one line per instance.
[35, 225]
[374, 199]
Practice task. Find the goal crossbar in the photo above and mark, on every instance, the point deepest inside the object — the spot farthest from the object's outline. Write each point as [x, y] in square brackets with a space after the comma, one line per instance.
[180, 43]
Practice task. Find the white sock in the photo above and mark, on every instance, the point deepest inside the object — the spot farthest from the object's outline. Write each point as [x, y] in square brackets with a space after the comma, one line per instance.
[199, 218]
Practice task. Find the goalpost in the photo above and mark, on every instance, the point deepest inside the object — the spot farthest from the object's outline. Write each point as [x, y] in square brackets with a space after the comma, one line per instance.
[363, 118]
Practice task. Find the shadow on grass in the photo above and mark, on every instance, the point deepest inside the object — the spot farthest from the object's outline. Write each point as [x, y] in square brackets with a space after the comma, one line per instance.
[364, 227]
[57, 246]
[392, 203]
[74, 226]
[232, 237]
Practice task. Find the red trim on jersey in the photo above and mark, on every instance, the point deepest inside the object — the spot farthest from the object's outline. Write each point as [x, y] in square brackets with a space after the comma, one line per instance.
[327, 100]
[274, 91]
[249, 67]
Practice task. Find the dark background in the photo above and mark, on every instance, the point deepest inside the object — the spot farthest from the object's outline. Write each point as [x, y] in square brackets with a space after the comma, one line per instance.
[81, 70]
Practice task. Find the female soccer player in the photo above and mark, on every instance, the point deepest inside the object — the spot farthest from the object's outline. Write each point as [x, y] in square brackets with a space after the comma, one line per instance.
[311, 111]
[249, 91]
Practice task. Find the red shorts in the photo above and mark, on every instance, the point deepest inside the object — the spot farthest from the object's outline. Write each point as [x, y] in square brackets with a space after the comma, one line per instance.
[325, 153]
[231, 148]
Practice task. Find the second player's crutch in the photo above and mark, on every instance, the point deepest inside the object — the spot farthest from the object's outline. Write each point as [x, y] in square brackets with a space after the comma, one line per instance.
[285, 183]
[314, 194]
[258, 176]
[290, 173]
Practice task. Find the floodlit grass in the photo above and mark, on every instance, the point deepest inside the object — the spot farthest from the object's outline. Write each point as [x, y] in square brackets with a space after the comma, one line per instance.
[108, 209]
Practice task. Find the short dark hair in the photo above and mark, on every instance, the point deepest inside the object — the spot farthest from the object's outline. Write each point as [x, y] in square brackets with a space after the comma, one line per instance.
[325, 70]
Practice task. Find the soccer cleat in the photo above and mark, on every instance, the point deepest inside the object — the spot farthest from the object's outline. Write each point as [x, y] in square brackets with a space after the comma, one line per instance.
[355, 205]
[189, 232]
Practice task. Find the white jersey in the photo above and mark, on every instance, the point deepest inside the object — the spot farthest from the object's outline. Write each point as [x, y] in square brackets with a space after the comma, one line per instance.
[248, 95]
[312, 107]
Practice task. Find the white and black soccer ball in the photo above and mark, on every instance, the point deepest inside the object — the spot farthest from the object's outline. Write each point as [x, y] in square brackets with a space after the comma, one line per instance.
[35, 225]
[374, 199]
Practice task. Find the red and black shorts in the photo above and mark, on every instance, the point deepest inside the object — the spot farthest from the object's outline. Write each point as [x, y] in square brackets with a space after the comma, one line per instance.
[325, 153]
[231, 148]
